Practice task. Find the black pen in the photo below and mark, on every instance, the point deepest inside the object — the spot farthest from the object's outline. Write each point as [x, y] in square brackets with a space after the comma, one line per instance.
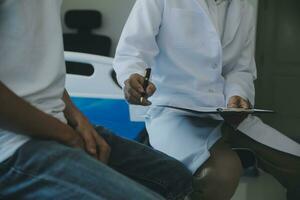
[146, 83]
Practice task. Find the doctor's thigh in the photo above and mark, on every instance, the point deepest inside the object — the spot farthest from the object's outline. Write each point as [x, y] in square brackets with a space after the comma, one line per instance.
[284, 167]
[218, 177]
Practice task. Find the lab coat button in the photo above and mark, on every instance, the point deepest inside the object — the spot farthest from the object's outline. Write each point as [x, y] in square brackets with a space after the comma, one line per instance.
[215, 66]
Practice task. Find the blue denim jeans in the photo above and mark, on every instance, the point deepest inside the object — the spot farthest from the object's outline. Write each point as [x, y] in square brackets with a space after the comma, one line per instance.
[48, 170]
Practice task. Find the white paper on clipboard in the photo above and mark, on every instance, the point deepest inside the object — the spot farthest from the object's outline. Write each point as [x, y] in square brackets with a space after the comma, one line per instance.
[254, 127]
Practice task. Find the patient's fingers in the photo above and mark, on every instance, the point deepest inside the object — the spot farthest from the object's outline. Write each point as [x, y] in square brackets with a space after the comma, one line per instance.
[103, 148]
[90, 143]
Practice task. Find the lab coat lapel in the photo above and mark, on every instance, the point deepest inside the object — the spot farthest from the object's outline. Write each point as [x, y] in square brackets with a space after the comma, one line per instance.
[203, 5]
[233, 20]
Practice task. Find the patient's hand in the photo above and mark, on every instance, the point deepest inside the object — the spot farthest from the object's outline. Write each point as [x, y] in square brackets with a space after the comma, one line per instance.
[134, 90]
[235, 119]
[84, 136]
[94, 144]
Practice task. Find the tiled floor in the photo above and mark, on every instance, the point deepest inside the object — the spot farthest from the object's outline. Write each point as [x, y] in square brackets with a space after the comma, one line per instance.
[264, 187]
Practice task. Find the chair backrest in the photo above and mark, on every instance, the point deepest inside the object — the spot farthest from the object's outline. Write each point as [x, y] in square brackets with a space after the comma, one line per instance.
[84, 41]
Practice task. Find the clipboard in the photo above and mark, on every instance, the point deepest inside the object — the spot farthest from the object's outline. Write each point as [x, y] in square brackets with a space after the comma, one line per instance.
[220, 110]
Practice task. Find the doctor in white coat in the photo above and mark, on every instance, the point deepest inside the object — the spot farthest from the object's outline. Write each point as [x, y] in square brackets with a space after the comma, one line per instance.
[202, 55]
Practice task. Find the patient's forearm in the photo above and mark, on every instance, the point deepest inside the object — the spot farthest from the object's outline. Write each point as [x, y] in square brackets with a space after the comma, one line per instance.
[71, 112]
[19, 116]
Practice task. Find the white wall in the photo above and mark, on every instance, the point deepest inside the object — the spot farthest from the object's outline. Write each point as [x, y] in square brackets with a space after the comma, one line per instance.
[115, 13]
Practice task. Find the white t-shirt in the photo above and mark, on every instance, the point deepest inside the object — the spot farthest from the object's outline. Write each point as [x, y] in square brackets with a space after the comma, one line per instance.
[31, 60]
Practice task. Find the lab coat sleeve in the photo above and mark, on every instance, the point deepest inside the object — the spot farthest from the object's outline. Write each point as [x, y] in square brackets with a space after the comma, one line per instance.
[137, 47]
[239, 77]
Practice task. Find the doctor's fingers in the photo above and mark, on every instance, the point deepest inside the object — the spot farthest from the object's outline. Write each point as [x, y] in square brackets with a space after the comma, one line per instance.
[131, 95]
[244, 104]
[238, 102]
[136, 81]
[150, 89]
[234, 102]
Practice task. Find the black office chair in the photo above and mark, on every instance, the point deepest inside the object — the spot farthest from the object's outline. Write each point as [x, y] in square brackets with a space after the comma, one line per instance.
[84, 40]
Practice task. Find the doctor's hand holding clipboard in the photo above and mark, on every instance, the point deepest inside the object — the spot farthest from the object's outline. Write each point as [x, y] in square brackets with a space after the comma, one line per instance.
[138, 89]
[235, 119]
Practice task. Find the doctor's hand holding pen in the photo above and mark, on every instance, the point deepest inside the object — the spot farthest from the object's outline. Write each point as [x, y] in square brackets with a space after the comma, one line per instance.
[138, 89]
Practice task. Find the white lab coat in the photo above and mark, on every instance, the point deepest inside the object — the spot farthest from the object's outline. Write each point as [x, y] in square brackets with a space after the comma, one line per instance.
[192, 67]
[181, 44]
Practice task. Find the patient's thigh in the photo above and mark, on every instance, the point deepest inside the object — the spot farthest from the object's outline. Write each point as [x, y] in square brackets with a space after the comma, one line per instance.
[49, 170]
[147, 166]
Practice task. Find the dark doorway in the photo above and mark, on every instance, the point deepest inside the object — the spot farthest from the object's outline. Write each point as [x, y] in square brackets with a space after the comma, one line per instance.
[278, 64]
